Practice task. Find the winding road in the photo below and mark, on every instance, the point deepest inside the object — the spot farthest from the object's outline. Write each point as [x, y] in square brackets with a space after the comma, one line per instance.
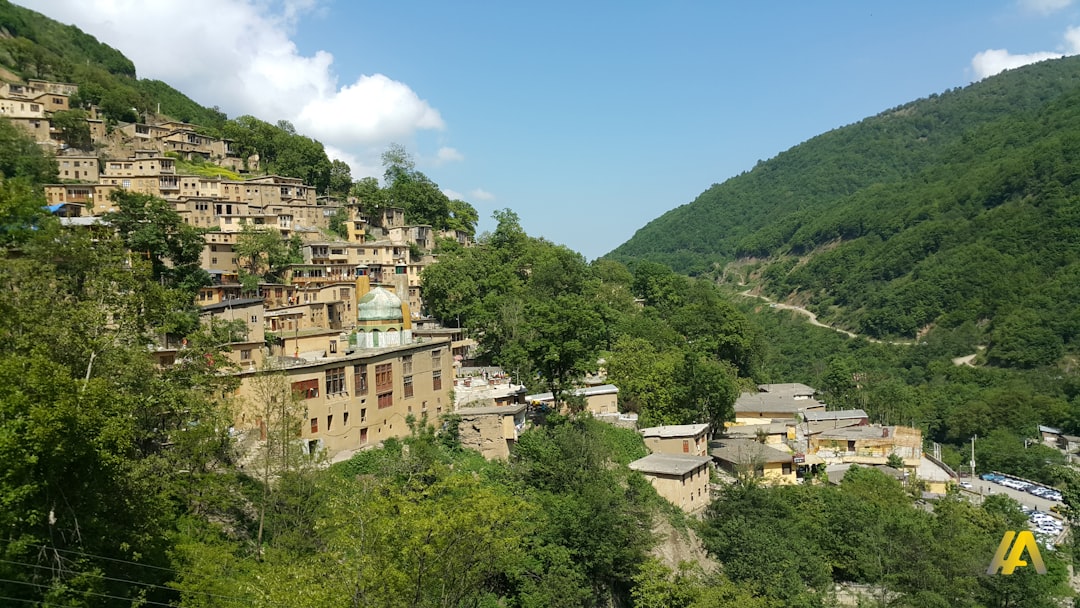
[814, 320]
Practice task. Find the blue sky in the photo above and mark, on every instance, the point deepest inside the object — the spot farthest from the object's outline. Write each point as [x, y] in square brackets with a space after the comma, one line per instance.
[587, 119]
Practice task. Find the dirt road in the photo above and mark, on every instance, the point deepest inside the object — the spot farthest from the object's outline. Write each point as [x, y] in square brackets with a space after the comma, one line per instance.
[814, 320]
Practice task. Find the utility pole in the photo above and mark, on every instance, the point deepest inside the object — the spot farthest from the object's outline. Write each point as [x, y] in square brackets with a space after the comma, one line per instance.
[973, 438]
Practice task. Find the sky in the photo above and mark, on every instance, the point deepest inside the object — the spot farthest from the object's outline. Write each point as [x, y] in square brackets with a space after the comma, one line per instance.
[588, 119]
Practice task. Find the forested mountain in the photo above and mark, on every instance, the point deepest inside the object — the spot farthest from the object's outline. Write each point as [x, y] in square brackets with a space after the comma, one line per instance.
[956, 208]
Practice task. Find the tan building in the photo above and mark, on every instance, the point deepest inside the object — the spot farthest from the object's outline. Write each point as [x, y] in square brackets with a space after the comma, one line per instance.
[776, 402]
[77, 167]
[680, 478]
[247, 351]
[492, 431]
[603, 399]
[746, 457]
[690, 439]
[871, 444]
[352, 401]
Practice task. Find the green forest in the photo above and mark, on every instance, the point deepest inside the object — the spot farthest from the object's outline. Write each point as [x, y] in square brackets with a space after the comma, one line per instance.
[955, 209]
[121, 484]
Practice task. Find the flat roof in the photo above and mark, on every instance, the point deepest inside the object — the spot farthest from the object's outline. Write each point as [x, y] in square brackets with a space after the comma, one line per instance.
[815, 416]
[512, 409]
[740, 451]
[669, 464]
[675, 430]
[227, 304]
[873, 431]
[589, 391]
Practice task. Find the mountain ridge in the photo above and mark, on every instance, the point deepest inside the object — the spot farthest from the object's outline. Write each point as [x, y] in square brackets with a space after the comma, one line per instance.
[952, 209]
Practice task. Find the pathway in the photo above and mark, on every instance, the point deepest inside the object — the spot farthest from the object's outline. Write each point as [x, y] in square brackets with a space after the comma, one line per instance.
[814, 320]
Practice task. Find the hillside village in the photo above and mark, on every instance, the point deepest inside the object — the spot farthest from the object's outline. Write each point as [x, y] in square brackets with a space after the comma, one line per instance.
[302, 375]
[347, 325]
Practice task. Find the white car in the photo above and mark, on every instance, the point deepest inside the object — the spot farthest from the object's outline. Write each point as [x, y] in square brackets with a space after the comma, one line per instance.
[966, 485]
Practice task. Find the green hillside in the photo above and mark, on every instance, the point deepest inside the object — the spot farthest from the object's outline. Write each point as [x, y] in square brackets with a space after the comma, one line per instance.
[962, 207]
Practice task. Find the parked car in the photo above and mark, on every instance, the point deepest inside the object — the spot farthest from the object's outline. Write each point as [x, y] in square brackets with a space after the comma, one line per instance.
[966, 485]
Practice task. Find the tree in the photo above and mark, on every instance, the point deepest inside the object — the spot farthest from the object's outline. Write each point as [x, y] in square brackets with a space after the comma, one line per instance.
[74, 129]
[264, 253]
[21, 157]
[151, 228]
[562, 340]
[463, 217]
[339, 222]
[340, 178]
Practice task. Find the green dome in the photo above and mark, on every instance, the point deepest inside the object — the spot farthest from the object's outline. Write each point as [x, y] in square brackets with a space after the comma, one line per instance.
[379, 305]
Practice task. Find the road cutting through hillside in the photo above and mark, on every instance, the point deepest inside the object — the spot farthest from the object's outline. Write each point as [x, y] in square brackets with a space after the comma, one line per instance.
[814, 320]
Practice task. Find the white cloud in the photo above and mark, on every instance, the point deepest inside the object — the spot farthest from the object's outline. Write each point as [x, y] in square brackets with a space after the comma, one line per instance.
[448, 155]
[375, 109]
[995, 61]
[481, 195]
[359, 167]
[453, 195]
[1044, 7]
[238, 55]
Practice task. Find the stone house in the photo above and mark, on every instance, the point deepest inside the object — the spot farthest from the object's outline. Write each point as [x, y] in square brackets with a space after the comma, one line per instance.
[492, 430]
[682, 479]
[677, 439]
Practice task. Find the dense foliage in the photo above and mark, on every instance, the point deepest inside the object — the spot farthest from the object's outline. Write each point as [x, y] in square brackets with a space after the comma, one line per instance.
[953, 209]
[791, 544]
[543, 313]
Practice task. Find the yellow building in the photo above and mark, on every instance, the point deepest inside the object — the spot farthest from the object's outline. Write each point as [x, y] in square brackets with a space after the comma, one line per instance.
[746, 457]
[602, 399]
[776, 402]
[355, 400]
[871, 444]
[682, 479]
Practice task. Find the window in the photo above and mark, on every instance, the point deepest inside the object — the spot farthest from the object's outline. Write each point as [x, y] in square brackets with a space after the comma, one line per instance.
[254, 318]
[436, 358]
[345, 419]
[329, 421]
[406, 364]
[686, 446]
[436, 380]
[335, 381]
[245, 354]
[386, 400]
[408, 386]
[314, 425]
[306, 389]
[384, 377]
[786, 468]
[363, 436]
[363, 414]
[333, 346]
[360, 380]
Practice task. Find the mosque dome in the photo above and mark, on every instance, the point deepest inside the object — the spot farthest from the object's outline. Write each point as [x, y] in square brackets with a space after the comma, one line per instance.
[379, 305]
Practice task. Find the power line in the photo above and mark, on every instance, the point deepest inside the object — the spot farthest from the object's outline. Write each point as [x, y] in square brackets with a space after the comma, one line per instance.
[111, 559]
[130, 582]
[104, 595]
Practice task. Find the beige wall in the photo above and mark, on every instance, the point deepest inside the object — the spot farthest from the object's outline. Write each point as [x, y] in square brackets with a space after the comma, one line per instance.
[83, 168]
[352, 418]
[605, 404]
[490, 434]
[694, 446]
[688, 492]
